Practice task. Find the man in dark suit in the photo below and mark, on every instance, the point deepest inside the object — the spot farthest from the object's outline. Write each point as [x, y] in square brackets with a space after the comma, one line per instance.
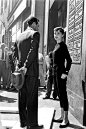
[28, 44]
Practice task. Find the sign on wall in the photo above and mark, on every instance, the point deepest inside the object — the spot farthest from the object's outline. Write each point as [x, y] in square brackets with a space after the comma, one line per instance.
[75, 29]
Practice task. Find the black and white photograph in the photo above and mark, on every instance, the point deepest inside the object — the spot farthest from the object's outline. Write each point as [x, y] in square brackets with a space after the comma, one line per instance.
[42, 64]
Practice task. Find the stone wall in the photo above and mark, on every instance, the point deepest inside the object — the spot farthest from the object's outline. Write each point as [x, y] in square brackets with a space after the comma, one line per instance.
[40, 14]
[76, 83]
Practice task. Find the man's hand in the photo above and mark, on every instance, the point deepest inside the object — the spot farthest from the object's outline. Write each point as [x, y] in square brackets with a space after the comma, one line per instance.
[17, 68]
[23, 69]
[63, 76]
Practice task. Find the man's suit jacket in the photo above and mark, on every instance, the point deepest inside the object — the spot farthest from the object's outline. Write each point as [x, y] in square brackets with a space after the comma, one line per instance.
[29, 44]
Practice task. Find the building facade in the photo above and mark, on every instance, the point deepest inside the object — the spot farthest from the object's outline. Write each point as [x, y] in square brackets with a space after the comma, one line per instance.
[18, 12]
[71, 15]
[3, 20]
[18, 15]
[76, 42]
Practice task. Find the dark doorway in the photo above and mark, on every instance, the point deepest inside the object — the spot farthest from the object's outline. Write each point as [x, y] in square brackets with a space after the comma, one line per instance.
[57, 17]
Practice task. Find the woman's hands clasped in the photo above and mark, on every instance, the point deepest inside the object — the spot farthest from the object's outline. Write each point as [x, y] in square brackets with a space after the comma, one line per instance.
[63, 76]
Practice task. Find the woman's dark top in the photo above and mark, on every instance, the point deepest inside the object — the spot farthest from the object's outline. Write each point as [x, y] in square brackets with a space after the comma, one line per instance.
[61, 54]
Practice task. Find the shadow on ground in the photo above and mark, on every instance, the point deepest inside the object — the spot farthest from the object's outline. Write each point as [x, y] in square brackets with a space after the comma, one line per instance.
[75, 126]
[6, 99]
[72, 126]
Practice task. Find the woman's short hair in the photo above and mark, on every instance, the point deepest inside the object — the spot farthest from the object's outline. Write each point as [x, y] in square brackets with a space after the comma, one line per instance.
[31, 20]
[60, 29]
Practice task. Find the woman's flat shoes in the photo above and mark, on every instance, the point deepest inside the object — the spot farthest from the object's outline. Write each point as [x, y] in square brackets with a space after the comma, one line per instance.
[64, 126]
[58, 120]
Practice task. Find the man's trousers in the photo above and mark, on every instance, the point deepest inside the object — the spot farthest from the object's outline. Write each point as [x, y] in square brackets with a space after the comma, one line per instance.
[28, 101]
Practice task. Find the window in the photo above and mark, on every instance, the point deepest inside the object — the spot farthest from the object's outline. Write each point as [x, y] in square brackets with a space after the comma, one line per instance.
[10, 7]
[14, 37]
[25, 25]
[62, 14]
[0, 28]
[14, 3]
[1, 6]
[18, 33]
[16, 30]
[5, 4]
[18, 25]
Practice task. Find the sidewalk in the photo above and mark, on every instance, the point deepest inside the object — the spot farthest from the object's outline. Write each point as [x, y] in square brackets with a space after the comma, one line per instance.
[74, 124]
[9, 110]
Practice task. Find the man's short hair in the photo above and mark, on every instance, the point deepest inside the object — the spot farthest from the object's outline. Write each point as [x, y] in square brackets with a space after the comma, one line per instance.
[60, 29]
[31, 20]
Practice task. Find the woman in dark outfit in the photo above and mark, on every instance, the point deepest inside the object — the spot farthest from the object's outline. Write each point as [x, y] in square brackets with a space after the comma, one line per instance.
[60, 55]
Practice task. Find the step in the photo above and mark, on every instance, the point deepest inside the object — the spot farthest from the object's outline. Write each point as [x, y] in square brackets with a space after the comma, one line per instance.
[7, 124]
[8, 109]
[45, 116]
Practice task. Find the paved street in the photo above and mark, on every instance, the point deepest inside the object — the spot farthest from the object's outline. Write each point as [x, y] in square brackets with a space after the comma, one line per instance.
[10, 99]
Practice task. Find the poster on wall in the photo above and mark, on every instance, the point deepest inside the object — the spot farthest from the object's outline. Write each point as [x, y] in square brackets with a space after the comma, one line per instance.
[75, 29]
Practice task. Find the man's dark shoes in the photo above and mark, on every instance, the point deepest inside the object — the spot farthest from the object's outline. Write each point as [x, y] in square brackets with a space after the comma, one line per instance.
[7, 88]
[44, 87]
[64, 126]
[39, 127]
[12, 89]
[54, 98]
[35, 127]
[46, 97]
[23, 124]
